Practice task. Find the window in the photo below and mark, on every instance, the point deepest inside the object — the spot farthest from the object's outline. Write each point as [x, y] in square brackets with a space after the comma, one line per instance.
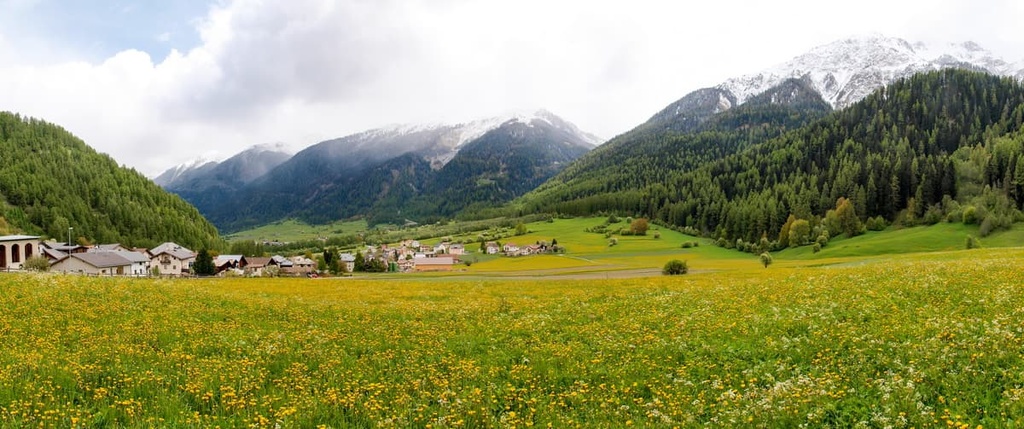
[28, 251]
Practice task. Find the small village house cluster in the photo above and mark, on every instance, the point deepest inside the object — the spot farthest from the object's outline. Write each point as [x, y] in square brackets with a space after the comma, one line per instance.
[168, 259]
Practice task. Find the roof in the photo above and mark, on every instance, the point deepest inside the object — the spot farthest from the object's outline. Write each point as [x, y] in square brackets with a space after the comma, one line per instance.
[302, 260]
[107, 247]
[173, 250]
[53, 253]
[133, 257]
[18, 237]
[346, 257]
[281, 261]
[255, 262]
[102, 259]
[435, 261]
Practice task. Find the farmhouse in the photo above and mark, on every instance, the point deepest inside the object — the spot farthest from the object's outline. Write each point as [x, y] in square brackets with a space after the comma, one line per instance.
[440, 263]
[492, 248]
[510, 249]
[349, 261]
[230, 262]
[15, 249]
[457, 249]
[171, 259]
[300, 265]
[94, 263]
[257, 265]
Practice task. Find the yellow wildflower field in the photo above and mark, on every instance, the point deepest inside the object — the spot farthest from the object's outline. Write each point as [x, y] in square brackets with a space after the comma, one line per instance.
[905, 342]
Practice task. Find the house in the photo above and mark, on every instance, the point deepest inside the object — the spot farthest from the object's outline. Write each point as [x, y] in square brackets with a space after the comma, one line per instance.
[230, 262]
[349, 261]
[457, 249]
[139, 261]
[510, 249]
[15, 249]
[282, 262]
[441, 248]
[107, 248]
[170, 259]
[255, 266]
[491, 248]
[440, 263]
[532, 249]
[94, 263]
[301, 265]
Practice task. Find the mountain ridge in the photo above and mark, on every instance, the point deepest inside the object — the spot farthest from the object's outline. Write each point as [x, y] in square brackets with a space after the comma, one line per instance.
[316, 183]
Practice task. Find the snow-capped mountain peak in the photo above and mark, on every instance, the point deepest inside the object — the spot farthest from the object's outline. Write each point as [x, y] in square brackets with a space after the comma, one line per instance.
[846, 71]
[172, 174]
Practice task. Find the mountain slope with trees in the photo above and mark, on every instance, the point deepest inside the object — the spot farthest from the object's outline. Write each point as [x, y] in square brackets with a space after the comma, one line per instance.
[393, 174]
[51, 181]
[938, 146]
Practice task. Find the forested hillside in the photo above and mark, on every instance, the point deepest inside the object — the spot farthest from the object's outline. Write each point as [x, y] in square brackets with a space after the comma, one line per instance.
[613, 176]
[51, 181]
[939, 146]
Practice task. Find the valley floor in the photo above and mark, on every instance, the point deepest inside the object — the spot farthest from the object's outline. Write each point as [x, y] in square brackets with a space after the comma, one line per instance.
[916, 340]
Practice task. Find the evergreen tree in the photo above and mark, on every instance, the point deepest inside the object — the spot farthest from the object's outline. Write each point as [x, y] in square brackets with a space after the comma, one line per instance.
[204, 264]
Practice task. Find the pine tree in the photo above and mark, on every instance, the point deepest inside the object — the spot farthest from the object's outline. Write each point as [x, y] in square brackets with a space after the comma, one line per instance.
[204, 264]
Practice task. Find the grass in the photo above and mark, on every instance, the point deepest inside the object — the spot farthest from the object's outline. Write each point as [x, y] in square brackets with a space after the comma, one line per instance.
[294, 230]
[592, 251]
[915, 340]
[935, 238]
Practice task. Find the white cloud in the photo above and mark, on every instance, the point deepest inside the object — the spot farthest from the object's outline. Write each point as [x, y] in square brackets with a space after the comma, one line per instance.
[307, 70]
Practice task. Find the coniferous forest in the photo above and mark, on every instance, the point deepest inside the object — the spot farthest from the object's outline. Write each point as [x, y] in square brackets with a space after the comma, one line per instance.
[941, 146]
[51, 181]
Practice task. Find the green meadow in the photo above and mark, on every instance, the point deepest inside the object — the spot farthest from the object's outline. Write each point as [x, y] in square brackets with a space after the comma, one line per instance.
[913, 340]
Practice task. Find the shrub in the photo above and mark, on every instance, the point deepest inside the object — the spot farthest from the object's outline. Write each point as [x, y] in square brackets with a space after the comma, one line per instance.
[876, 223]
[822, 239]
[657, 235]
[675, 267]
[639, 226]
[970, 215]
[37, 263]
[972, 242]
[613, 242]
[766, 259]
[817, 247]
[933, 215]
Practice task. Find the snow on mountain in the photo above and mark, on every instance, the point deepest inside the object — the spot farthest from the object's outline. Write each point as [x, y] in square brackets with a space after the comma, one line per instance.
[175, 173]
[846, 71]
[439, 143]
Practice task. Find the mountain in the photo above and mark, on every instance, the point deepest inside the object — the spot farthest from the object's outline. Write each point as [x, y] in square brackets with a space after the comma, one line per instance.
[846, 71]
[240, 169]
[713, 123]
[495, 168]
[51, 181]
[842, 73]
[668, 144]
[184, 172]
[388, 168]
[939, 146]
[212, 183]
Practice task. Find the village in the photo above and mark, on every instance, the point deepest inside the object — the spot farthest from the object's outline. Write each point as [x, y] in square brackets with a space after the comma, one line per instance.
[172, 260]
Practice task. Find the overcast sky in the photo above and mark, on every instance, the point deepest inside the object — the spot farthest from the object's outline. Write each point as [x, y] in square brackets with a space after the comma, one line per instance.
[155, 84]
